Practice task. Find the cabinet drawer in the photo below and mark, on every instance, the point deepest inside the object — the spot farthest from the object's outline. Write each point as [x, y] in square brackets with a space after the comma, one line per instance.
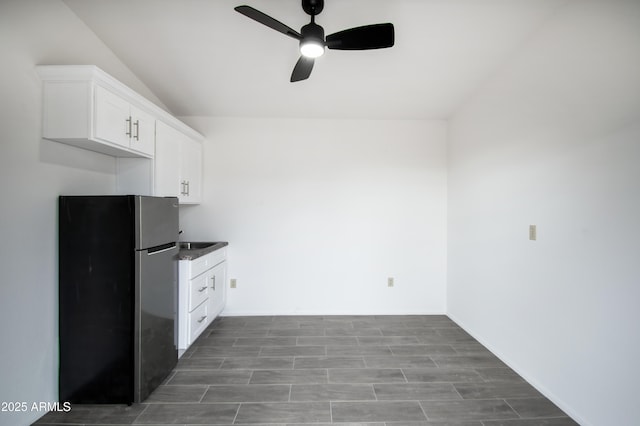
[198, 321]
[218, 256]
[198, 291]
[208, 261]
[198, 266]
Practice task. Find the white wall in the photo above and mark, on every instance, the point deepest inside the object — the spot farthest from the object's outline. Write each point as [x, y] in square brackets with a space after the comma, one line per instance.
[33, 173]
[554, 140]
[319, 213]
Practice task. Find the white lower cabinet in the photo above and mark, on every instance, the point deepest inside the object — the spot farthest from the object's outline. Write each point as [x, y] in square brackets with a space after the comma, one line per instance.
[201, 295]
[197, 322]
[217, 289]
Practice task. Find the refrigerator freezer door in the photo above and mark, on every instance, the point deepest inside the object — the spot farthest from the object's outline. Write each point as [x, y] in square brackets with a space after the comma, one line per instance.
[156, 221]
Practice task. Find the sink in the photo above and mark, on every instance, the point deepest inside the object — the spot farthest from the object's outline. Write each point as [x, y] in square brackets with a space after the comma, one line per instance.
[194, 246]
[190, 250]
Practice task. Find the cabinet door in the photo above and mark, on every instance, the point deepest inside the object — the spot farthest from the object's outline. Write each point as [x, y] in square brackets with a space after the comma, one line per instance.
[190, 171]
[112, 118]
[167, 161]
[143, 131]
[217, 289]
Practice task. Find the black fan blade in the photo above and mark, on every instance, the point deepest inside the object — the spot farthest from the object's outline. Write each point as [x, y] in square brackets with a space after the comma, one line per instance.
[302, 70]
[267, 20]
[375, 36]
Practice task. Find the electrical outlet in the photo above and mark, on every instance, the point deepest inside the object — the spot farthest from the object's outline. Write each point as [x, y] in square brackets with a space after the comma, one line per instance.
[533, 232]
[390, 282]
[233, 283]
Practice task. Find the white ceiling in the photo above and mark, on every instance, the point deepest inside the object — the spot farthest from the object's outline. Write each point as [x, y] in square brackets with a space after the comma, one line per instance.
[201, 58]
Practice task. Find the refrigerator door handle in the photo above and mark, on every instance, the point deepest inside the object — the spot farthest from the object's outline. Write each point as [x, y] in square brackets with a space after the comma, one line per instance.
[161, 249]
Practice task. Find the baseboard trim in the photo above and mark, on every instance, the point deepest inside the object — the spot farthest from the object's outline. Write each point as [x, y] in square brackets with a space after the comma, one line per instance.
[227, 313]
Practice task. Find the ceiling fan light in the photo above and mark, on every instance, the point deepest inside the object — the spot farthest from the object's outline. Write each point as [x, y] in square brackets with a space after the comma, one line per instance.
[311, 48]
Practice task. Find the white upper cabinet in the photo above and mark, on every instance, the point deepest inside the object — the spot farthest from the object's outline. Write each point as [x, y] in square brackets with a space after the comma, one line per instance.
[121, 123]
[143, 131]
[178, 165]
[157, 153]
[167, 161]
[190, 172]
[86, 107]
[112, 118]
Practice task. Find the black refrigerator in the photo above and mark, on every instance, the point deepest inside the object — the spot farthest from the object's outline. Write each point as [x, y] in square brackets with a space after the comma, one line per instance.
[118, 274]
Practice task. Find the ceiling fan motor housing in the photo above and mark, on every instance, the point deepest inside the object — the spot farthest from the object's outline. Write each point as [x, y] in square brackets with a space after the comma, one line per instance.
[312, 31]
[312, 7]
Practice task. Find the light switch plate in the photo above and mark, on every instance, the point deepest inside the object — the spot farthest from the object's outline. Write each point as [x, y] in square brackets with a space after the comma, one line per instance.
[533, 232]
[233, 283]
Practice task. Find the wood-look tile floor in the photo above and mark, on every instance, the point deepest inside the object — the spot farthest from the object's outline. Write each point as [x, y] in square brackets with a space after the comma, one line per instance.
[349, 370]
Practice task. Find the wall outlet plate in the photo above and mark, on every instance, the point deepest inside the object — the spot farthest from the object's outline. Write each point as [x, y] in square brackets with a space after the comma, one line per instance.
[533, 232]
[390, 282]
[233, 283]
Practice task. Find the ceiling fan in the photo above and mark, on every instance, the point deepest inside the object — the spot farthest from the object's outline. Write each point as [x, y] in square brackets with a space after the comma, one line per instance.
[312, 39]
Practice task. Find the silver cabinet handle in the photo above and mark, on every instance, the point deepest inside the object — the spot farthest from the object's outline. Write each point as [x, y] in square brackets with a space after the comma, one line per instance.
[213, 282]
[183, 184]
[137, 135]
[128, 121]
[202, 289]
[188, 189]
[202, 319]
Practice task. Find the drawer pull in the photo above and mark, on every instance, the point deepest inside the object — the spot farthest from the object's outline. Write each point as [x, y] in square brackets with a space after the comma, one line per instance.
[202, 319]
[202, 289]
[213, 282]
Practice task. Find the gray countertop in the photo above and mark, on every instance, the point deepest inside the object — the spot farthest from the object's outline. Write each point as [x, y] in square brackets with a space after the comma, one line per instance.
[191, 254]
